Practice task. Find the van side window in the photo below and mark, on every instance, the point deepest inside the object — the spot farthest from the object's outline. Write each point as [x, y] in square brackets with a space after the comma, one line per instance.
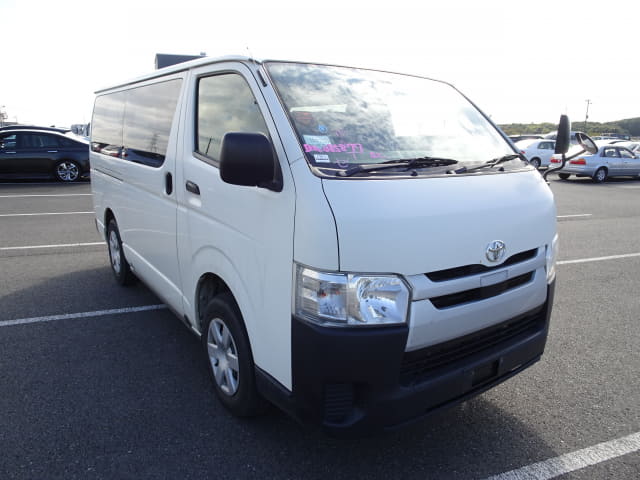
[135, 124]
[225, 104]
[106, 125]
[147, 122]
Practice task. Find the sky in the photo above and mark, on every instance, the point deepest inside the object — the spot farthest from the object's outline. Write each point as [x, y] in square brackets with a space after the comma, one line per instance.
[520, 62]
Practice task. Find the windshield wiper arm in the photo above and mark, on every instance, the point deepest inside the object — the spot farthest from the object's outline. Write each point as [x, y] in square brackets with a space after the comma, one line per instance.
[495, 161]
[407, 163]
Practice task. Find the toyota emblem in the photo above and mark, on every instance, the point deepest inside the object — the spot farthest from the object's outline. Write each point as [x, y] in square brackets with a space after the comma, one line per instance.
[496, 251]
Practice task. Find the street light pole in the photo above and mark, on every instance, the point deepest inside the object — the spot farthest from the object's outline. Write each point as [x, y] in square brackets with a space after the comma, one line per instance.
[586, 116]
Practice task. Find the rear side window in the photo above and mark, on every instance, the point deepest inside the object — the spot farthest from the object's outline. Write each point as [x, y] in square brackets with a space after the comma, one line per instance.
[135, 124]
[106, 126]
[225, 104]
[29, 141]
[147, 122]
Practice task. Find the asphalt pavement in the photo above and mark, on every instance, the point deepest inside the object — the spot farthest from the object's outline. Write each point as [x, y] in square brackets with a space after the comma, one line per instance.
[95, 385]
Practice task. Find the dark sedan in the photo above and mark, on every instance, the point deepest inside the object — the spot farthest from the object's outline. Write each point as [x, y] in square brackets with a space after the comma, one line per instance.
[42, 153]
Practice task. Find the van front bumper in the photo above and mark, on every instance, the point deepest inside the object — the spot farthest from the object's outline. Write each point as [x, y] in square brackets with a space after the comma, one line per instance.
[361, 380]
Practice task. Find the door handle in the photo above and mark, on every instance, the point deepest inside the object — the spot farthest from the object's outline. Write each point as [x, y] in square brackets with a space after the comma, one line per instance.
[168, 183]
[52, 151]
[192, 187]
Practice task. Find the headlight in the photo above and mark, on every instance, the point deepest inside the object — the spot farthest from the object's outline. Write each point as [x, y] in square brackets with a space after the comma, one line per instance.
[338, 299]
[552, 256]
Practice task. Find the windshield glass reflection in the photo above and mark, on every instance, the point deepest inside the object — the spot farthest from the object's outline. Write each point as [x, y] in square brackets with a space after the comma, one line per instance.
[345, 117]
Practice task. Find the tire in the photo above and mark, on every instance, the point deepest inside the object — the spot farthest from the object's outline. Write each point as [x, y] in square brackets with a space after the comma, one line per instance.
[535, 162]
[67, 171]
[600, 175]
[119, 265]
[564, 176]
[229, 359]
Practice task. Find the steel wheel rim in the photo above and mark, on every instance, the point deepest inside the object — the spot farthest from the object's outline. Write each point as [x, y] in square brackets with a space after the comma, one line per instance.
[67, 171]
[600, 175]
[223, 356]
[114, 250]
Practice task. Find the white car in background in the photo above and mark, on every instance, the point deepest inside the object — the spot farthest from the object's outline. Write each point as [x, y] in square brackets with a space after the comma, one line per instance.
[538, 152]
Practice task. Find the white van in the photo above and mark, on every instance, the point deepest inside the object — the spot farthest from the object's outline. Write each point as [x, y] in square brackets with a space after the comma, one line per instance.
[360, 248]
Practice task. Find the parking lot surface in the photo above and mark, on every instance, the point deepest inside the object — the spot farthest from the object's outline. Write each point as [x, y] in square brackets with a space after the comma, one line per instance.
[101, 381]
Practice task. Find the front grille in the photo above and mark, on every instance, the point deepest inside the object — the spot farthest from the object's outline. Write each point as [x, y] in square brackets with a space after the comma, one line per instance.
[468, 270]
[480, 293]
[419, 364]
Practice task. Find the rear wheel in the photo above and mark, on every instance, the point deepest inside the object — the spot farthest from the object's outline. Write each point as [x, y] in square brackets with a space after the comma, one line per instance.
[67, 171]
[119, 265]
[535, 162]
[600, 175]
[564, 176]
[229, 358]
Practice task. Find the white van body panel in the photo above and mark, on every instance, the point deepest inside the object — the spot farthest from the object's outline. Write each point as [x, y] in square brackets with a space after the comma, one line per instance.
[316, 239]
[415, 226]
[145, 213]
[243, 235]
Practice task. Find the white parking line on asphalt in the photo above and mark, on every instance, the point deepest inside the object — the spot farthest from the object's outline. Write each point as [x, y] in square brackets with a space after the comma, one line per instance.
[48, 195]
[570, 462]
[576, 215]
[31, 247]
[38, 214]
[598, 259]
[67, 316]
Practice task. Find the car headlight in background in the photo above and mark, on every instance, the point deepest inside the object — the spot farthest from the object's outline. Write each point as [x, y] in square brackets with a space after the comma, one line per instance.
[552, 256]
[339, 299]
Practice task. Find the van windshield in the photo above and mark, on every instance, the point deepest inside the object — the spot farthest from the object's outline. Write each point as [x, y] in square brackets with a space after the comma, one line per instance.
[347, 117]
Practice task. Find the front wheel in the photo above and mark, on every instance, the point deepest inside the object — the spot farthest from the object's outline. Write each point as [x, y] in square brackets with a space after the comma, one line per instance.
[600, 175]
[229, 358]
[564, 176]
[67, 171]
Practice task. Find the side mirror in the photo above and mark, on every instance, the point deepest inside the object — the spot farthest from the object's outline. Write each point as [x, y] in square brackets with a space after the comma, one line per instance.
[586, 142]
[563, 138]
[248, 159]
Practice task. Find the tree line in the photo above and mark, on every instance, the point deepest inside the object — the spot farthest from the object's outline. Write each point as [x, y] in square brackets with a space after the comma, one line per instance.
[629, 126]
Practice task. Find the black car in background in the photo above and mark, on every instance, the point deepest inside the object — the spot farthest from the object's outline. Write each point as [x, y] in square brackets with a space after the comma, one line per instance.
[33, 152]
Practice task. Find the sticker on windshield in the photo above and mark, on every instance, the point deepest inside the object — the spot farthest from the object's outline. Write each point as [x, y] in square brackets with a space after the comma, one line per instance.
[318, 141]
[335, 148]
[321, 158]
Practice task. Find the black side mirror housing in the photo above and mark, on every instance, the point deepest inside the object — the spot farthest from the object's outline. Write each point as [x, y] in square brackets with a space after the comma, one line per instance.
[248, 159]
[563, 137]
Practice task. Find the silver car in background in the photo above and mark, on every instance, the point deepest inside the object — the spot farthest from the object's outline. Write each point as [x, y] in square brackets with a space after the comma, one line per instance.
[609, 161]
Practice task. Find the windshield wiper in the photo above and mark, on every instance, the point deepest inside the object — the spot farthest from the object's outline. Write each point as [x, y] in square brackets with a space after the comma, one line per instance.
[407, 163]
[495, 161]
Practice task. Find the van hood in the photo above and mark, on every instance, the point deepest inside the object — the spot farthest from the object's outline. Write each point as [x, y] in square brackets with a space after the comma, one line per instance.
[419, 225]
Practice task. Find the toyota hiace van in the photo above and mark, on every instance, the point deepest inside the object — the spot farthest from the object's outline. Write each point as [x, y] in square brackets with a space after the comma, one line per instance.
[360, 248]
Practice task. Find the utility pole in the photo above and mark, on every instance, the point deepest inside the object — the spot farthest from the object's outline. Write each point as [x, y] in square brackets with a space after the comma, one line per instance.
[586, 116]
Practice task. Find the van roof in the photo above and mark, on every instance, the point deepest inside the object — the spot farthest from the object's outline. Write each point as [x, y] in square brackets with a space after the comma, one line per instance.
[180, 67]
